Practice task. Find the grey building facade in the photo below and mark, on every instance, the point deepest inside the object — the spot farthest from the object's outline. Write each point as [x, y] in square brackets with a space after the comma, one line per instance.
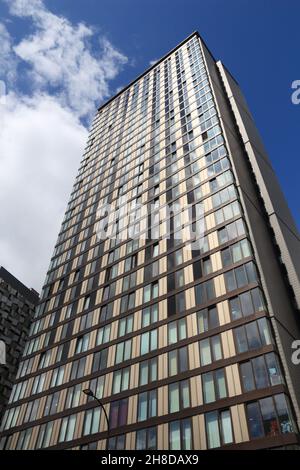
[17, 304]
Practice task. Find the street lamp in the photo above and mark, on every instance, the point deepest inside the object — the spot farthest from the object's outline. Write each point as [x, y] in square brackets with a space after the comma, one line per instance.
[89, 393]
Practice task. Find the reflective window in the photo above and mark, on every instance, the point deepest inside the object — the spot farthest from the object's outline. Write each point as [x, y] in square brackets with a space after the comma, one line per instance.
[179, 396]
[252, 335]
[147, 405]
[218, 428]
[178, 361]
[214, 386]
[210, 350]
[180, 435]
[148, 371]
[146, 439]
[269, 417]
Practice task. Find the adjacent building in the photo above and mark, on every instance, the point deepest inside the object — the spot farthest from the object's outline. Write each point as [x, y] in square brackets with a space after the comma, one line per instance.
[186, 345]
[17, 304]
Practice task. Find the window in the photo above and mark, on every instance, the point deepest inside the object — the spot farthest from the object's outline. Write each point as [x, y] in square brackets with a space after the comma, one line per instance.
[73, 396]
[155, 250]
[103, 335]
[67, 428]
[44, 435]
[106, 312]
[82, 343]
[123, 351]
[118, 413]
[128, 282]
[43, 362]
[176, 331]
[100, 360]
[86, 302]
[230, 231]
[205, 292]
[150, 271]
[57, 376]
[32, 408]
[197, 270]
[149, 315]
[127, 302]
[174, 259]
[179, 396]
[261, 372]
[77, 369]
[131, 246]
[97, 387]
[207, 319]
[92, 421]
[130, 263]
[180, 302]
[218, 428]
[89, 446]
[117, 442]
[146, 439]
[37, 387]
[148, 342]
[235, 253]
[214, 386]
[252, 336]
[226, 213]
[175, 280]
[121, 380]
[23, 439]
[210, 350]
[148, 371]
[284, 414]
[206, 266]
[109, 291]
[254, 420]
[10, 418]
[246, 304]
[180, 435]
[111, 272]
[147, 405]
[178, 361]
[86, 321]
[151, 291]
[176, 303]
[223, 196]
[52, 404]
[240, 277]
[269, 416]
[125, 325]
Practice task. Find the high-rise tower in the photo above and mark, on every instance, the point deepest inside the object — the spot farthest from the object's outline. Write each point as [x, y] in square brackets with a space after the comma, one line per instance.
[186, 346]
[17, 304]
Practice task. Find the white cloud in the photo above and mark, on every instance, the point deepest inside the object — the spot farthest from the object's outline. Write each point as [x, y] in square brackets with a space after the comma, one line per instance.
[41, 135]
[60, 55]
[41, 145]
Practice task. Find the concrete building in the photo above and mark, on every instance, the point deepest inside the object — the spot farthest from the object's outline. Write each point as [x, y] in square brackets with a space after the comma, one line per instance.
[17, 304]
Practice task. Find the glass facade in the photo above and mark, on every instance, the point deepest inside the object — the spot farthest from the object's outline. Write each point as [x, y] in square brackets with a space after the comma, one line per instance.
[174, 340]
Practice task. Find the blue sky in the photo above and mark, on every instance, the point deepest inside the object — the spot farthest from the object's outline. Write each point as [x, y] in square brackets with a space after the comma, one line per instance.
[257, 40]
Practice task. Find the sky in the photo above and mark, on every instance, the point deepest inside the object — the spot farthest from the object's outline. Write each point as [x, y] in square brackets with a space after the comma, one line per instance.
[61, 59]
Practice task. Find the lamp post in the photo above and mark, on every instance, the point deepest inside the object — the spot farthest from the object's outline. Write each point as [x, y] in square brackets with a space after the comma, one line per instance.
[89, 393]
